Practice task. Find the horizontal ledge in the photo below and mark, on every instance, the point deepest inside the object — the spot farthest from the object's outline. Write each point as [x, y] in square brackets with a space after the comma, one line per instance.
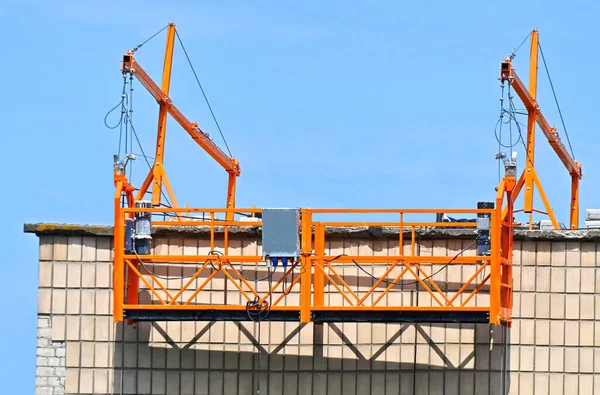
[429, 309]
[184, 210]
[329, 314]
[391, 224]
[207, 315]
[200, 307]
[424, 316]
[367, 232]
[364, 259]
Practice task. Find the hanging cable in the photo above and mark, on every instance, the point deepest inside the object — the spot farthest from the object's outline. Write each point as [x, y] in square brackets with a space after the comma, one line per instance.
[143, 265]
[499, 139]
[130, 116]
[138, 142]
[120, 104]
[510, 115]
[127, 114]
[510, 135]
[256, 309]
[556, 101]
[125, 129]
[203, 94]
[151, 37]
[402, 283]
[511, 105]
[123, 104]
[162, 192]
[514, 52]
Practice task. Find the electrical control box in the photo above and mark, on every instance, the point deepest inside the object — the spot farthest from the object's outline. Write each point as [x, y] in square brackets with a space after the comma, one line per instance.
[280, 236]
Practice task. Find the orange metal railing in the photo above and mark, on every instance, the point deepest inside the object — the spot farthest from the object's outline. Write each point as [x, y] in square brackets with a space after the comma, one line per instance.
[323, 280]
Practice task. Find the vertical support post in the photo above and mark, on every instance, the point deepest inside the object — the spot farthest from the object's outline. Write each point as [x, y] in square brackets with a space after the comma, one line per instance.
[507, 252]
[230, 196]
[515, 194]
[531, 120]
[229, 215]
[133, 285]
[226, 240]
[574, 222]
[305, 285]
[401, 236]
[119, 247]
[319, 275]
[495, 246]
[212, 230]
[412, 241]
[162, 115]
[133, 281]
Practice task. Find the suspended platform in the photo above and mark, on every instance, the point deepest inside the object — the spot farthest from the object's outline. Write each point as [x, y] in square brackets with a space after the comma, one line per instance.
[323, 284]
[298, 275]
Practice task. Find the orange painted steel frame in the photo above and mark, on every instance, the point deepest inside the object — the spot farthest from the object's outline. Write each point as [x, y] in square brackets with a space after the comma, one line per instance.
[315, 263]
[529, 177]
[157, 175]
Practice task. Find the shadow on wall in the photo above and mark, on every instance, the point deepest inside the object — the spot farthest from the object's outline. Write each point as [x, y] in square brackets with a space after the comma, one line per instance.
[466, 359]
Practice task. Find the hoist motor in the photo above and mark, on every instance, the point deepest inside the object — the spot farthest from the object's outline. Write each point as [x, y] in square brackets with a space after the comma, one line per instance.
[138, 231]
[143, 229]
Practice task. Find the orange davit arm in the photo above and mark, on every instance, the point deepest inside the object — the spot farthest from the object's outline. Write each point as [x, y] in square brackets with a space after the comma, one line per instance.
[157, 175]
[130, 65]
[510, 74]
[529, 177]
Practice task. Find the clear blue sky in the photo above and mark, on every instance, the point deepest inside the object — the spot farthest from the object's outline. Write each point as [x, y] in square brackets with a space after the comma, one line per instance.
[325, 105]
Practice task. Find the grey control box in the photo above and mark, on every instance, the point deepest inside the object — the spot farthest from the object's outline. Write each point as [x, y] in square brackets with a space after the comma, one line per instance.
[280, 235]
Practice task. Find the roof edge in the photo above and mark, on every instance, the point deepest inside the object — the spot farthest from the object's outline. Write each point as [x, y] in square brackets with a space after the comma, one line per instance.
[375, 232]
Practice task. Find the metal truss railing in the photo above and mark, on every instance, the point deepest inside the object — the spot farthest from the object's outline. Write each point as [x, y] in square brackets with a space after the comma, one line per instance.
[322, 285]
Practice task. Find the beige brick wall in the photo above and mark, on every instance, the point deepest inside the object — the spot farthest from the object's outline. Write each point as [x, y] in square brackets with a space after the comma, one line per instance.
[553, 347]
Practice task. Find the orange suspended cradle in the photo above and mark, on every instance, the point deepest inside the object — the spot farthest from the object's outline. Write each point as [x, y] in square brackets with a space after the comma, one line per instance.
[312, 283]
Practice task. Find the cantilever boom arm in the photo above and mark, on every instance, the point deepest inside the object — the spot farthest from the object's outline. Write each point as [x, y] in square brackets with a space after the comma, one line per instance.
[509, 74]
[229, 164]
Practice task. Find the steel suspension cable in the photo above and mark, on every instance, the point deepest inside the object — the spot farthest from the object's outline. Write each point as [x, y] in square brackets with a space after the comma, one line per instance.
[514, 52]
[130, 116]
[151, 37]
[203, 93]
[556, 101]
[164, 195]
[500, 123]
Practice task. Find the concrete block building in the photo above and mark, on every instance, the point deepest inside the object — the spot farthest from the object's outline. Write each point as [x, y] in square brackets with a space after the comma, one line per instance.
[553, 346]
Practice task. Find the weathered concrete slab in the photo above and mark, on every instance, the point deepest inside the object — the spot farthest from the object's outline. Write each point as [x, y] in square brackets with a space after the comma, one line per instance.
[375, 232]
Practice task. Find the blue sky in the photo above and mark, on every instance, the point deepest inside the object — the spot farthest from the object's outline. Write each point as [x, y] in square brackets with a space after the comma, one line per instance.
[335, 104]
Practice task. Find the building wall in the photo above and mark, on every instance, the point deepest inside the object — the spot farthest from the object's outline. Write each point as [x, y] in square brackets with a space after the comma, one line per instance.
[552, 348]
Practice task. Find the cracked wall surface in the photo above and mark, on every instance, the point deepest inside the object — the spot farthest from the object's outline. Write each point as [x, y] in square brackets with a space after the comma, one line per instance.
[552, 348]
